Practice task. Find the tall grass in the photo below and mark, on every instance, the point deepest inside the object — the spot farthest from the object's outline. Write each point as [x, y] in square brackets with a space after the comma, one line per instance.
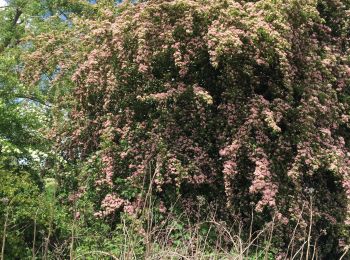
[177, 237]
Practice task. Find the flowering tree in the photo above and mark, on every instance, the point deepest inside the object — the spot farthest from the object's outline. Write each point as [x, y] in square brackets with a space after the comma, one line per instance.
[25, 207]
[247, 101]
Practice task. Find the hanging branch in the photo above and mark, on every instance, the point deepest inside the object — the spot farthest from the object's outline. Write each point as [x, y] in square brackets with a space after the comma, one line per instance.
[14, 22]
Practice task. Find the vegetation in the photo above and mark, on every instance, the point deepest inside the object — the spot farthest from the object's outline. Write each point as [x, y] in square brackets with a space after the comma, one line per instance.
[175, 129]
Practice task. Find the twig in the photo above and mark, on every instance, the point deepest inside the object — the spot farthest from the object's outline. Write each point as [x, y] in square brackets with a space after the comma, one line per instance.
[301, 248]
[34, 236]
[270, 238]
[310, 228]
[345, 253]
[4, 233]
[294, 231]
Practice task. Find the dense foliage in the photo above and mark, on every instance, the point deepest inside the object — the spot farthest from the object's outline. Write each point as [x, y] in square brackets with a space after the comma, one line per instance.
[242, 106]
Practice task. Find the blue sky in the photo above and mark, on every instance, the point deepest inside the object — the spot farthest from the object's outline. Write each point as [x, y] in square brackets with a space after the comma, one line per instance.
[2, 3]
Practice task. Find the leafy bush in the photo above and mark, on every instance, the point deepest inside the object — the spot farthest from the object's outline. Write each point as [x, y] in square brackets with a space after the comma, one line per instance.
[245, 103]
